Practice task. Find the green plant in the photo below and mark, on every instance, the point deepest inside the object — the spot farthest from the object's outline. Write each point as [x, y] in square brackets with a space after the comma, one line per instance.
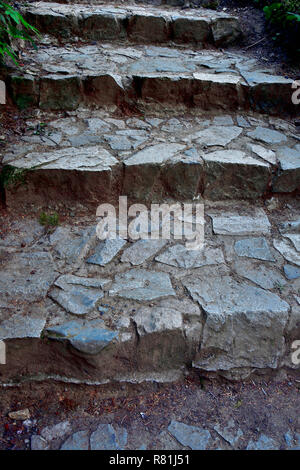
[12, 176]
[49, 220]
[13, 27]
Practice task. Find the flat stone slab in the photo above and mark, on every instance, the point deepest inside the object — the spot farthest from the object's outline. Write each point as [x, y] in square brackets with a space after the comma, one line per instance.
[194, 437]
[181, 257]
[230, 433]
[108, 437]
[289, 174]
[291, 272]
[244, 324]
[254, 248]
[63, 78]
[138, 24]
[19, 326]
[265, 277]
[152, 320]
[268, 136]
[78, 441]
[140, 284]
[106, 251]
[77, 295]
[263, 443]
[25, 276]
[288, 252]
[142, 250]
[89, 337]
[230, 223]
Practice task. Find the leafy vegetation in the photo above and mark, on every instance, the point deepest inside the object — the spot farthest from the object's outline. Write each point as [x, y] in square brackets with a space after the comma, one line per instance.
[13, 28]
[284, 21]
[11, 176]
[49, 220]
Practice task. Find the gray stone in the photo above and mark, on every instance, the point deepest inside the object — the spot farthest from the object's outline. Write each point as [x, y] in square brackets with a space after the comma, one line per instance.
[291, 272]
[58, 430]
[295, 239]
[140, 284]
[118, 142]
[69, 246]
[242, 122]
[264, 153]
[25, 276]
[254, 248]
[264, 443]
[190, 29]
[181, 257]
[223, 120]
[230, 433]
[89, 336]
[78, 441]
[225, 30]
[288, 178]
[19, 326]
[97, 125]
[230, 223]
[194, 437]
[156, 154]
[232, 173]
[265, 277]
[217, 135]
[290, 226]
[244, 324]
[77, 295]
[108, 437]
[38, 443]
[289, 253]
[106, 251]
[157, 319]
[268, 136]
[141, 250]
[85, 139]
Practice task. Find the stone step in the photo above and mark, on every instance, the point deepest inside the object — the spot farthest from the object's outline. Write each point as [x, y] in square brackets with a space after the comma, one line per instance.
[90, 157]
[133, 23]
[62, 78]
[77, 309]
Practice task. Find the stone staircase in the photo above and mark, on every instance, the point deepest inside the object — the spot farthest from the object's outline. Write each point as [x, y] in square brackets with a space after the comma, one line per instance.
[141, 101]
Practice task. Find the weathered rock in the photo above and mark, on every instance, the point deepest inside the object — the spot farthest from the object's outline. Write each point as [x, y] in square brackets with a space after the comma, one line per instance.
[265, 277]
[295, 239]
[290, 226]
[147, 28]
[19, 326]
[107, 437]
[226, 30]
[289, 253]
[78, 441]
[181, 257]
[234, 174]
[89, 337]
[254, 248]
[191, 29]
[269, 136]
[264, 153]
[106, 251]
[59, 93]
[77, 295]
[230, 433]
[244, 324]
[156, 320]
[25, 276]
[230, 223]
[194, 437]
[140, 284]
[141, 250]
[217, 135]
[21, 415]
[54, 432]
[264, 443]
[288, 178]
[38, 443]
[291, 272]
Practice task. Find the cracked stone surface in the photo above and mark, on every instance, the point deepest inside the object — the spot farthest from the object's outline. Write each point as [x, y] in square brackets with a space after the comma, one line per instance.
[106, 251]
[141, 284]
[181, 257]
[141, 250]
[107, 437]
[235, 224]
[194, 437]
[155, 164]
[254, 248]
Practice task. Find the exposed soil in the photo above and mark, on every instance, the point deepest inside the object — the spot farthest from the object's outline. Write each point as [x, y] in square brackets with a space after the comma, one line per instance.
[257, 41]
[260, 406]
